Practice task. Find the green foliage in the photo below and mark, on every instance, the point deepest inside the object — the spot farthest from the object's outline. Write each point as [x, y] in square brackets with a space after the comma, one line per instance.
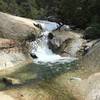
[25, 8]
[80, 13]
[92, 32]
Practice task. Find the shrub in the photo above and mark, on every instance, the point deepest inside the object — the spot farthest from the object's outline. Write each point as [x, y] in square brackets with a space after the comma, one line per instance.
[92, 32]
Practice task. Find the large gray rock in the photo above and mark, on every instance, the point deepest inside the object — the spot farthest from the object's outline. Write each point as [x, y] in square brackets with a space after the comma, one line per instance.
[16, 27]
[66, 43]
[92, 58]
[12, 52]
[14, 59]
[90, 87]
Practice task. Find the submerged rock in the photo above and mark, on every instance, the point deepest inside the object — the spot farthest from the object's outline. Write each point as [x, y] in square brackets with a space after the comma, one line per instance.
[11, 81]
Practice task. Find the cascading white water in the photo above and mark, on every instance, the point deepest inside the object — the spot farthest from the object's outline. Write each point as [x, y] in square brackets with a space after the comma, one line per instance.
[40, 46]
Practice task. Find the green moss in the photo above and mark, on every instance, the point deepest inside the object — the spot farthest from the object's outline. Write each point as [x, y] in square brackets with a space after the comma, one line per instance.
[2, 86]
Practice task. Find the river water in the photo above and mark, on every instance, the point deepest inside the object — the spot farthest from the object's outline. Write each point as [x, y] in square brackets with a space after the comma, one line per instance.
[40, 46]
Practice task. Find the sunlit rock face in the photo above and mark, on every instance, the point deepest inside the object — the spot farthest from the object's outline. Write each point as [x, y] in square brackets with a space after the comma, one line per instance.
[16, 27]
[12, 54]
[12, 60]
[16, 30]
[90, 87]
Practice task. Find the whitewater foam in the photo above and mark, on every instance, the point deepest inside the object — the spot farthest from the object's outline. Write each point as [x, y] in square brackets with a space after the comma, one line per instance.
[41, 49]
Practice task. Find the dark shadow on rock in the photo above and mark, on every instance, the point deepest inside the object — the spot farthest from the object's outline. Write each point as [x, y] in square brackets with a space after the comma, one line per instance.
[38, 26]
[61, 48]
[33, 56]
[50, 36]
[30, 38]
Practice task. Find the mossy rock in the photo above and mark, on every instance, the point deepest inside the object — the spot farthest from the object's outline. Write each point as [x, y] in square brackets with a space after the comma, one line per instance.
[92, 32]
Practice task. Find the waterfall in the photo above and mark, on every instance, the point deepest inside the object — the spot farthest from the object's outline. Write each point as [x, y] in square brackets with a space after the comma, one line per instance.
[40, 46]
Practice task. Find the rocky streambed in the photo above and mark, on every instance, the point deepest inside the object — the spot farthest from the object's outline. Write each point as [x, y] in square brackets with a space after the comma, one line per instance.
[22, 79]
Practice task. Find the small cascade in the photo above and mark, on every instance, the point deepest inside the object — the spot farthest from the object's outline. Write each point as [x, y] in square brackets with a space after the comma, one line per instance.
[40, 46]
